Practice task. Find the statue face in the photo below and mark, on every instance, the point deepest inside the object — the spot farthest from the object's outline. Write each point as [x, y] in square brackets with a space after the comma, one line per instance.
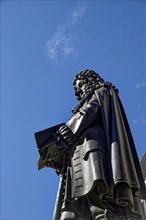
[80, 88]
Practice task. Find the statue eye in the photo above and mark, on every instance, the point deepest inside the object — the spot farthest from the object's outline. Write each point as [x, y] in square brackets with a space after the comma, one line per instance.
[81, 83]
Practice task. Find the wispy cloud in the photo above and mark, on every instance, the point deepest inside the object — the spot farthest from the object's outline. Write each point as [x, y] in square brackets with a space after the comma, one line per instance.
[139, 119]
[60, 45]
[77, 14]
[139, 85]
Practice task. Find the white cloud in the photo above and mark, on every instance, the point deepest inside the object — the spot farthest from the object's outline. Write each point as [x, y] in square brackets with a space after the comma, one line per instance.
[138, 85]
[77, 14]
[139, 119]
[60, 46]
[68, 49]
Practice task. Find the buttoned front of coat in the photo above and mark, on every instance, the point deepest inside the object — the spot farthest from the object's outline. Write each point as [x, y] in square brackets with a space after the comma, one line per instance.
[88, 161]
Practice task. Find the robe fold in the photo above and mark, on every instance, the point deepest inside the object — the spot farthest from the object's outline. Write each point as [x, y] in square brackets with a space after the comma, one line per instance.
[105, 157]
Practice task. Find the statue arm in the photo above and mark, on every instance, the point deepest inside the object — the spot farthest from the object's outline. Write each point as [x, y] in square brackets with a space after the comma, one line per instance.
[86, 116]
[80, 121]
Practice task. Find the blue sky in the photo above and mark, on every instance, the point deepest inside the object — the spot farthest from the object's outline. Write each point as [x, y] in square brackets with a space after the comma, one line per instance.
[43, 45]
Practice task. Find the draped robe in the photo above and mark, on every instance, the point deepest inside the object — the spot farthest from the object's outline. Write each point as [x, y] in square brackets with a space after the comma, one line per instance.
[104, 157]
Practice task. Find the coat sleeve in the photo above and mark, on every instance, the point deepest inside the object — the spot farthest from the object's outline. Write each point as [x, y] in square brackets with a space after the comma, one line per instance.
[85, 117]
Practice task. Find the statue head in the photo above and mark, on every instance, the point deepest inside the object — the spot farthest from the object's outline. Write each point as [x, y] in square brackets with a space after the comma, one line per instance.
[86, 82]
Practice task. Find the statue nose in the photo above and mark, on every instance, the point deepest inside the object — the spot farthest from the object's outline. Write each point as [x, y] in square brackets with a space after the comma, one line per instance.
[79, 90]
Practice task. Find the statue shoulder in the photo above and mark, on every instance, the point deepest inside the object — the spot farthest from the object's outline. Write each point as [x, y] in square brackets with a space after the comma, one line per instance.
[106, 88]
[102, 91]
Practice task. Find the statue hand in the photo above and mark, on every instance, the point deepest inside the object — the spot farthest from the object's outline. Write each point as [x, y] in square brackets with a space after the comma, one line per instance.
[67, 135]
[55, 165]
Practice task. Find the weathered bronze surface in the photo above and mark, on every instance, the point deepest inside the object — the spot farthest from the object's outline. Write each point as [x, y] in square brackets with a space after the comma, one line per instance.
[95, 156]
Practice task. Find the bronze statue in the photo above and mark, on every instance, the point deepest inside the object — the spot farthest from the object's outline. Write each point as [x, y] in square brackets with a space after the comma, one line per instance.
[95, 156]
